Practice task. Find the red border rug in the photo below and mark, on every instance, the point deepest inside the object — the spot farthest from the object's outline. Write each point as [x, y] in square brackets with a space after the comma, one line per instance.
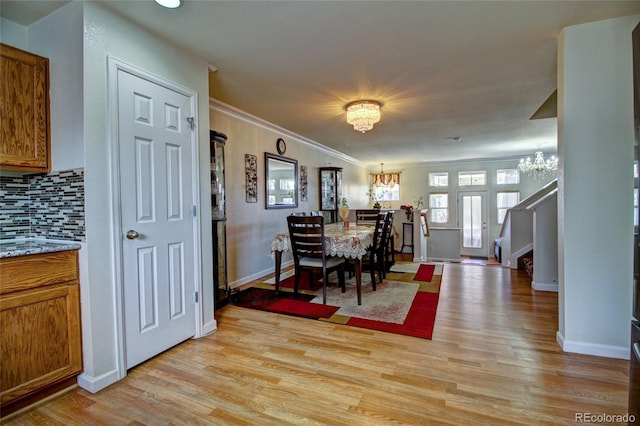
[405, 303]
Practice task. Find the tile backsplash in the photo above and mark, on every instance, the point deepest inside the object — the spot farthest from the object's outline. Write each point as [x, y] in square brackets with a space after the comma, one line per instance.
[43, 206]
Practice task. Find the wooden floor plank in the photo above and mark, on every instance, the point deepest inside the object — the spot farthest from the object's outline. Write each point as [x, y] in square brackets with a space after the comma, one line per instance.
[493, 359]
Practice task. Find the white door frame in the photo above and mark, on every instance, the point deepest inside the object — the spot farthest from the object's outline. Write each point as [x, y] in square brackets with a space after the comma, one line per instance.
[115, 66]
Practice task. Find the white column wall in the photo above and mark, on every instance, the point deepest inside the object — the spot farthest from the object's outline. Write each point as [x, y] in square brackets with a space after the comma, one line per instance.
[595, 202]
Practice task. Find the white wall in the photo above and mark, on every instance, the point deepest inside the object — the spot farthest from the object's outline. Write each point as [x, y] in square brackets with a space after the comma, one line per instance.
[251, 227]
[13, 34]
[595, 198]
[65, 72]
[105, 34]
[545, 245]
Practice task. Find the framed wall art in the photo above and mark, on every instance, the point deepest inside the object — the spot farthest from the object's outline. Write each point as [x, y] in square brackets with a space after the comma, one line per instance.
[303, 183]
[251, 177]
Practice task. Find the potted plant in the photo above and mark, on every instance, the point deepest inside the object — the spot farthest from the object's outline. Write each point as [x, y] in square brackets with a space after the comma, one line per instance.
[408, 210]
[419, 202]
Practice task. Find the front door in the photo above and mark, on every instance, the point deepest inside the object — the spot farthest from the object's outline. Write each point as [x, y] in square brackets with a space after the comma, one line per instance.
[472, 219]
[156, 199]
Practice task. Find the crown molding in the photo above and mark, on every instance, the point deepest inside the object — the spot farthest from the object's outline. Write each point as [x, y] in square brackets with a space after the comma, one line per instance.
[236, 113]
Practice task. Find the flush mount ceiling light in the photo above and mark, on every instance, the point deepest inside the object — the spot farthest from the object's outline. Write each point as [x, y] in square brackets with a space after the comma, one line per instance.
[171, 4]
[362, 115]
[539, 168]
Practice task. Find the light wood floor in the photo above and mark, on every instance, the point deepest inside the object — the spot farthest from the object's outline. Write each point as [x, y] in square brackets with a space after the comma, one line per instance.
[493, 360]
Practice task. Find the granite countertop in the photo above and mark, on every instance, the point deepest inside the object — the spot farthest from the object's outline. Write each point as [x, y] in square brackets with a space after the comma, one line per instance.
[26, 246]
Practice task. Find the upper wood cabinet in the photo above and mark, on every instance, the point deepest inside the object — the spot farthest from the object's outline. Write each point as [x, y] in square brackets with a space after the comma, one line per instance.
[24, 111]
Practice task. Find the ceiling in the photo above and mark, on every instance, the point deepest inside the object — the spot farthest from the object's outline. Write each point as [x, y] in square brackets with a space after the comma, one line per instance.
[458, 80]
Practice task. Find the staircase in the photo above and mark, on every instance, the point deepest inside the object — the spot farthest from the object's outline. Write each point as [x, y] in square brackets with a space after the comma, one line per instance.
[530, 233]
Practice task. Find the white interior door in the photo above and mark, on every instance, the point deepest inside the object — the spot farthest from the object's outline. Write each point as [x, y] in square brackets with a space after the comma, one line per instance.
[156, 198]
[472, 220]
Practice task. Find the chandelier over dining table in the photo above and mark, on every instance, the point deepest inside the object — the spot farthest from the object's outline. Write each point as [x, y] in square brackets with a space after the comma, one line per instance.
[362, 115]
[539, 168]
[389, 179]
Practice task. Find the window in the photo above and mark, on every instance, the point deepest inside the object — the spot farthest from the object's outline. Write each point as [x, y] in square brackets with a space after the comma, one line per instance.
[506, 199]
[385, 192]
[439, 179]
[287, 184]
[472, 178]
[508, 176]
[385, 186]
[439, 207]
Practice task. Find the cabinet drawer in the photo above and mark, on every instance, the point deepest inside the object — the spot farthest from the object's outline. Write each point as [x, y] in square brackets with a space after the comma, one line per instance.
[26, 272]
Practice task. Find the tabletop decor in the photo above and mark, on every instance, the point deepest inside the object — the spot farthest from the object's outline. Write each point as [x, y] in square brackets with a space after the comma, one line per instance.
[405, 303]
[343, 211]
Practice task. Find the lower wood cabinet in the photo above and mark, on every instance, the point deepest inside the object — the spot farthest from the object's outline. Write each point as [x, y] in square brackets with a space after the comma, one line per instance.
[40, 336]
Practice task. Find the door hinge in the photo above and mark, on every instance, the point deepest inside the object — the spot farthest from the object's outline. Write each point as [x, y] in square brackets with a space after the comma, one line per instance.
[195, 297]
[195, 211]
[192, 122]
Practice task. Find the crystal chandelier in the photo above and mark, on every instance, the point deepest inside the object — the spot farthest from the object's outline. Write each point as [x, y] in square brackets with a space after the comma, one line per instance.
[539, 168]
[362, 115]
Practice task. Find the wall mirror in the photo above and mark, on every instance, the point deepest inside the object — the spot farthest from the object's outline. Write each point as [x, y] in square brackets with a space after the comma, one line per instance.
[281, 182]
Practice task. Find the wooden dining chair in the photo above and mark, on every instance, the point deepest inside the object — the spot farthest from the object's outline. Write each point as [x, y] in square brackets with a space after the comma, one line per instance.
[306, 234]
[366, 216]
[387, 257]
[371, 260]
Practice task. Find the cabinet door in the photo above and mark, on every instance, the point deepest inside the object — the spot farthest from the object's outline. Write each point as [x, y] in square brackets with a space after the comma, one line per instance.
[328, 190]
[40, 338]
[24, 111]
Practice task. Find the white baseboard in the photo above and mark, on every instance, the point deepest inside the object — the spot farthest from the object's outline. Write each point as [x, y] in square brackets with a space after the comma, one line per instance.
[544, 286]
[443, 259]
[257, 275]
[592, 348]
[209, 327]
[95, 384]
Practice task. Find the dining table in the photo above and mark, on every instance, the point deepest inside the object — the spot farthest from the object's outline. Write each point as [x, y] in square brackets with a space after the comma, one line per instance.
[350, 242]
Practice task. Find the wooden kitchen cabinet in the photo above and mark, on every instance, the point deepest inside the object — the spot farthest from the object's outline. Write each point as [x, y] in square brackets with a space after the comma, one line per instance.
[25, 143]
[40, 338]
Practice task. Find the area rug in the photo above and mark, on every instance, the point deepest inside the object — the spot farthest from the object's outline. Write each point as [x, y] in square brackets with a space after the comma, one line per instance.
[404, 303]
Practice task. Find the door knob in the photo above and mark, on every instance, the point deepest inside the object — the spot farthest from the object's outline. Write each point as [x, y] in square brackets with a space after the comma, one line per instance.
[132, 235]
